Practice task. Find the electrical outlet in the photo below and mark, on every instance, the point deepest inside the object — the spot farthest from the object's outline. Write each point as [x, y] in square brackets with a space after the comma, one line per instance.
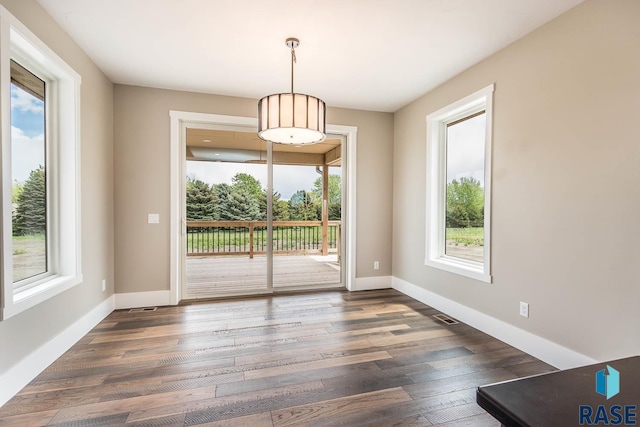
[104, 285]
[376, 265]
[153, 219]
[524, 309]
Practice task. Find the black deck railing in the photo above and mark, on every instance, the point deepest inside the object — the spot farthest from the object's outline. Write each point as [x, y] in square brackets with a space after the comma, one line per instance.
[250, 237]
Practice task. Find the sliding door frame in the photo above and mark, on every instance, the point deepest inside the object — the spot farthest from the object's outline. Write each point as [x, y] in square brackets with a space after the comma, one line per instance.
[180, 122]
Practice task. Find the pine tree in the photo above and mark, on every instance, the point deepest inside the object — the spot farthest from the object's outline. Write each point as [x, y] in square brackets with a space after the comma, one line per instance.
[202, 202]
[242, 206]
[281, 210]
[280, 207]
[246, 183]
[302, 207]
[335, 211]
[223, 193]
[31, 213]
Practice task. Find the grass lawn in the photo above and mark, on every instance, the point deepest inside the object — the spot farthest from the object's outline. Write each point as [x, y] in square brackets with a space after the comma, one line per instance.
[34, 244]
[469, 236]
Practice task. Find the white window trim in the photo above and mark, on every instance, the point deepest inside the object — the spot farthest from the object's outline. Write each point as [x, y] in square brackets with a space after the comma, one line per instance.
[436, 195]
[63, 131]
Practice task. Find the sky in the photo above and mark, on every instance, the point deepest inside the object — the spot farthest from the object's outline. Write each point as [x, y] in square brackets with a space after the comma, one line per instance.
[286, 179]
[465, 149]
[27, 134]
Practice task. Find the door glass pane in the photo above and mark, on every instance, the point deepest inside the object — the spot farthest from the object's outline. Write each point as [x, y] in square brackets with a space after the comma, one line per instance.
[464, 233]
[28, 170]
[226, 213]
[307, 215]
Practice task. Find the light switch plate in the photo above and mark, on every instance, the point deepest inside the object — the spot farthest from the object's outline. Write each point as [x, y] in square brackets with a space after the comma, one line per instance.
[153, 219]
[524, 309]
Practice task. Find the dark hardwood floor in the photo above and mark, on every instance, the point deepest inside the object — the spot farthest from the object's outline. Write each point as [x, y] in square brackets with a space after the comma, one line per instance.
[375, 358]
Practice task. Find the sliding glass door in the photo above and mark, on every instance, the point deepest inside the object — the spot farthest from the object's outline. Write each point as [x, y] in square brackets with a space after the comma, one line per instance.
[260, 218]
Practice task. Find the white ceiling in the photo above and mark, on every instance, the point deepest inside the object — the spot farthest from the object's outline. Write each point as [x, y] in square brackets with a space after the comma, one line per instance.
[366, 54]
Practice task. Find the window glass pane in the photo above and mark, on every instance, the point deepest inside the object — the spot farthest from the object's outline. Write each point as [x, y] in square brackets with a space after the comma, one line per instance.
[464, 233]
[28, 169]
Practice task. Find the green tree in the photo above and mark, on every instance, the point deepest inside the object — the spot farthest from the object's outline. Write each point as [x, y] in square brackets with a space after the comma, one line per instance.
[241, 206]
[297, 197]
[335, 211]
[202, 201]
[223, 192]
[241, 200]
[16, 190]
[262, 202]
[335, 194]
[280, 207]
[31, 213]
[465, 203]
[281, 210]
[247, 183]
[302, 207]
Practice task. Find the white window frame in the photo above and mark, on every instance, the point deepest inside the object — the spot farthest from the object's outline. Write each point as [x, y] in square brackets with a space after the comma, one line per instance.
[63, 168]
[437, 121]
[48, 80]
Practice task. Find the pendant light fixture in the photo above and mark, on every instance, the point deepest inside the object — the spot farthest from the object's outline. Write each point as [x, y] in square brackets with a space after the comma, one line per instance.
[292, 118]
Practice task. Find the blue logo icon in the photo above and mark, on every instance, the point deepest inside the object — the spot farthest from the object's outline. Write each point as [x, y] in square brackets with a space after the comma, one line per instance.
[608, 382]
[608, 385]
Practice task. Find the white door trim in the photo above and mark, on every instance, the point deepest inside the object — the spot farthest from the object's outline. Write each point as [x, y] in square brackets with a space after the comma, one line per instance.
[180, 121]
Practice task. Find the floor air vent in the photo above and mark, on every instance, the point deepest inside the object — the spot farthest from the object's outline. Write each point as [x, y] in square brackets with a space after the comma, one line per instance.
[445, 319]
[143, 309]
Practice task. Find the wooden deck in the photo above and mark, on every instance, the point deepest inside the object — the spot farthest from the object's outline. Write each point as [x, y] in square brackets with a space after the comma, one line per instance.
[375, 358]
[219, 275]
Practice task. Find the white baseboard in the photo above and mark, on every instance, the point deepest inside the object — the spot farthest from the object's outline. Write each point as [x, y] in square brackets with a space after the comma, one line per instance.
[541, 348]
[143, 299]
[27, 369]
[370, 283]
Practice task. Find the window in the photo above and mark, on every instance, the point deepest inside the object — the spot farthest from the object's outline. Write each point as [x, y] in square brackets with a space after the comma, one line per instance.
[40, 170]
[459, 186]
[28, 173]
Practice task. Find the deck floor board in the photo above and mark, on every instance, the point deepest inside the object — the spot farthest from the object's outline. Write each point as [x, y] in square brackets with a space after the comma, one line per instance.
[219, 275]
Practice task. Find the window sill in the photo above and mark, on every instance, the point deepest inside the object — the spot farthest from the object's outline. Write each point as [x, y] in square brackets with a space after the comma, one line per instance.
[40, 292]
[471, 269]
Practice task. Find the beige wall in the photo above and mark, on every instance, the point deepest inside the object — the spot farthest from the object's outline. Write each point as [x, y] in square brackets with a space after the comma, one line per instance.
[142, 160]
[26, 332]
[566, 156]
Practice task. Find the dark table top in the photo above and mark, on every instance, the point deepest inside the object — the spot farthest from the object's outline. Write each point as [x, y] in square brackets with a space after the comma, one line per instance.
[554, 399]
